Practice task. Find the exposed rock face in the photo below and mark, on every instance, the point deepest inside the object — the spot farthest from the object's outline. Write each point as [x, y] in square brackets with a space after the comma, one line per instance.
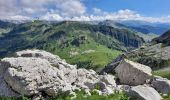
[36, 71]
[144, 93]
[108, 79]
[131, 73]
[111, 67]
[162, 85]
[5, 89]
[31, 75]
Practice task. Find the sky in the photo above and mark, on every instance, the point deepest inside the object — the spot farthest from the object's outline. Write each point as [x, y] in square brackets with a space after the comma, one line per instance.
[86, 10]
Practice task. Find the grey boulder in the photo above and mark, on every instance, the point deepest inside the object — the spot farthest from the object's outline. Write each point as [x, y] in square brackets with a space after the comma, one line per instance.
[131, 73]
[142, 92]
[162, 85]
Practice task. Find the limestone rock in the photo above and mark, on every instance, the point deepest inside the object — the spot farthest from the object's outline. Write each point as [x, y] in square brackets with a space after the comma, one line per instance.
[131, 73]
[108, 90]
[125, 88]
[162, 85]
[108, 79]
[142, 92]
[54, 59]
[5, 90]
[28, 76]
[33, 72]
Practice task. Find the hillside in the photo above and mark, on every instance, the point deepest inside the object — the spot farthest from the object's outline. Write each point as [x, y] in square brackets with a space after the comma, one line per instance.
[78, 43]
[165, 38]
[141, 32]
[5, 27]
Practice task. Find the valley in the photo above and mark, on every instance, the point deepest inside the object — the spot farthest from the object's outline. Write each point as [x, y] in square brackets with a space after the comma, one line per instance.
[70, 39]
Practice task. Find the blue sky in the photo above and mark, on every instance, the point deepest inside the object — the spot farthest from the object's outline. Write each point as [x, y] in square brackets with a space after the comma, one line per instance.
[153, 8]
[86, 10]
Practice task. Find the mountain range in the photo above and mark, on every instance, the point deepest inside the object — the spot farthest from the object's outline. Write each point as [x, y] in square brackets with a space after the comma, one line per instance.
[86, 44]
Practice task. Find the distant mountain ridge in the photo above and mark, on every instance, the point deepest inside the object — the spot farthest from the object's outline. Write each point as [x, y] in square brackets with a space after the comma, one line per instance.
[147, 27]
[144, 33]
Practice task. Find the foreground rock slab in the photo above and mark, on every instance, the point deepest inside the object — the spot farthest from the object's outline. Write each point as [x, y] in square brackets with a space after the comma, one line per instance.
[33, 72]
[131, 73]
[142, 92]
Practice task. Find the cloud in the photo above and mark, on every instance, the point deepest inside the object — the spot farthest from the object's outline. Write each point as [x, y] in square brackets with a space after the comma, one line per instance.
[52, 17]
[36, 8]
[120, 15]
[100, 15]
[65, 10]
[97, 11]
[71, 8]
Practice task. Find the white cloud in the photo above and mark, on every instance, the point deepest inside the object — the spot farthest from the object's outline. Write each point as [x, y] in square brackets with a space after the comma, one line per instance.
[97, 11]
[99, 15]
[65, 10]
[34, 8]
[15, 17]
[51, 17]
[126, 15]
[71, 8]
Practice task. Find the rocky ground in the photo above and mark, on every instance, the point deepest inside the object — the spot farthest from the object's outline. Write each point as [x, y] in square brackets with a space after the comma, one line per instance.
[36, 72]
[156, 56]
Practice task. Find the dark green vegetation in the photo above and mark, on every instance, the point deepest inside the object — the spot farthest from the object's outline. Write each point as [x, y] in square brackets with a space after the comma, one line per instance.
[165, 39]
[81, 96]
[166, 97]
[95, 96]
[164, 74]
[89, 46]
[5, 27]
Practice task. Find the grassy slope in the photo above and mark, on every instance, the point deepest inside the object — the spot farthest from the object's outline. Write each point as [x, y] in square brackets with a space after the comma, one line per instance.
[98, 58]
[88, 55]
[164, 74]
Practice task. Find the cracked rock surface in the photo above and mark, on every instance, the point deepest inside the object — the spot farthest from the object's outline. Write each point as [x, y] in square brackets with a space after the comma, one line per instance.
[31, 72]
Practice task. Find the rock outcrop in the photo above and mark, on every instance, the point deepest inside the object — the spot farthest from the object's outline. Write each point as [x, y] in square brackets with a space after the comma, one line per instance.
[162, 85]
[5, 89]
[111, 67]
[144, 93]
[34, 71]
[131, 73]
